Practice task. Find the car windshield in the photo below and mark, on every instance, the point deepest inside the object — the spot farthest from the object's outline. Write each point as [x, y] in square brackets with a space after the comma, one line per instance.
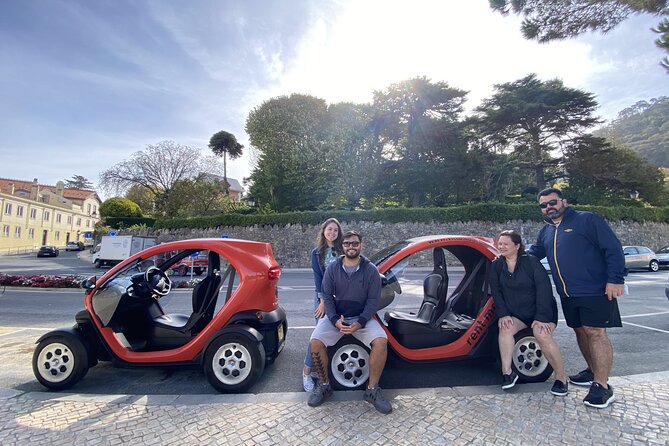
[378, 257]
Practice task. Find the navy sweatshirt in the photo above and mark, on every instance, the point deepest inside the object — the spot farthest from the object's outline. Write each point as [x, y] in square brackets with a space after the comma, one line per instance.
[583, 252]
[356, 296]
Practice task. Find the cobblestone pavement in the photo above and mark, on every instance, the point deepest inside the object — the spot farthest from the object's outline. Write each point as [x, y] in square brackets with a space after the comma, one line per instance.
[527, 415]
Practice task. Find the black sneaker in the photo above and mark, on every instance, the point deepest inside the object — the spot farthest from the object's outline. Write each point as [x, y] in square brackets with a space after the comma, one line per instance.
[599, 397]
[583, 378]
[374, 397]
[321, 393]
[559, 388]
[508, 381]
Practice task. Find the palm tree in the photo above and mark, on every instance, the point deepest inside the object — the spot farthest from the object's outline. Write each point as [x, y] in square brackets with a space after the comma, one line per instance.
[225, 144]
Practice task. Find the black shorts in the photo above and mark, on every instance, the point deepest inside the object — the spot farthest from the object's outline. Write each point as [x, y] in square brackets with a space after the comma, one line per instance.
[591, 311]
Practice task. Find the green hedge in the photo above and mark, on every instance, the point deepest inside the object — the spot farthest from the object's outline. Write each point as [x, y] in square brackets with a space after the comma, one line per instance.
[495, 212]
[125, 222]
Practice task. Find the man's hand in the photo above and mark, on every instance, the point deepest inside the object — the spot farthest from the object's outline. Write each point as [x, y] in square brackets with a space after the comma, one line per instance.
[347, 329]
[543, 327]
[614, 290]
[505, 322]
[320, 310]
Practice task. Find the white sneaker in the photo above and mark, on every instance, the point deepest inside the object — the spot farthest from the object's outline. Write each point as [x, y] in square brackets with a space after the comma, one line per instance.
[307, 383]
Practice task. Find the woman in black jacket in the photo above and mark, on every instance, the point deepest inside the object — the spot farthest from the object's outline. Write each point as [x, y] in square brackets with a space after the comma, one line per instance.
[524, 298]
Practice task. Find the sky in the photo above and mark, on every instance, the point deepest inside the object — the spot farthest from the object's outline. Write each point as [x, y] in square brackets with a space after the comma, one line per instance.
[85, 84]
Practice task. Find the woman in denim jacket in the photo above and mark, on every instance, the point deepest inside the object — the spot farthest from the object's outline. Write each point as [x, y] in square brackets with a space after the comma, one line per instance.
[328, 248]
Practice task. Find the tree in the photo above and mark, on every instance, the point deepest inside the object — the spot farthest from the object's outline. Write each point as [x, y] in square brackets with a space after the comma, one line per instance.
[533, 119]
[353, 155]
[407, 117]
[157, 168]
[224, 144]
[78, 182]
[288, 136]
[197, 196]
[119, 207]
[546, 20]
[143, 197]
[600, 173]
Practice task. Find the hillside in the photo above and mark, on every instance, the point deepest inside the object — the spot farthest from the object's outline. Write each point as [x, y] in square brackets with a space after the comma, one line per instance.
[643, 127]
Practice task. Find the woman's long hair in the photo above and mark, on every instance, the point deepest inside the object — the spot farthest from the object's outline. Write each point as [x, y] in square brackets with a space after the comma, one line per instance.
[515, 238]
[322, 243]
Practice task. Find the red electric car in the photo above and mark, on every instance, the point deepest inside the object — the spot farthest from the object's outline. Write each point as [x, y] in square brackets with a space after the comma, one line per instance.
[232, 329]
[428, 318]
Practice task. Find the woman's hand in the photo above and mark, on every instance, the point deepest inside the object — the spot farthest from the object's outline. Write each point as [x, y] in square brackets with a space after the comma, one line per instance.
[543, 327]
[320, 310]
[505, 322]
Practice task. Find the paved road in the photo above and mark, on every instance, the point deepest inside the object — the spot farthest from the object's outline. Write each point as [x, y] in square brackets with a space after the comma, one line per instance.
[641, 347]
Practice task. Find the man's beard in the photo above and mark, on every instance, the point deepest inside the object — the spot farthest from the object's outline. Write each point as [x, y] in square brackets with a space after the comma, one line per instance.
[357, 254]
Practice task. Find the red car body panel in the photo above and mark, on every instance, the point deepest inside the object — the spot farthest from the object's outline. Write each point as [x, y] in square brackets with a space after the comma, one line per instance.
[252, 261]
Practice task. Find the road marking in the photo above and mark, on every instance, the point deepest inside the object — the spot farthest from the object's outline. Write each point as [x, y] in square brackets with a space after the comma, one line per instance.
[649, 328]
[645, 314]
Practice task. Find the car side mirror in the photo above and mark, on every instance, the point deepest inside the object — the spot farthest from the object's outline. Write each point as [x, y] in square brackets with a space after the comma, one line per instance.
[89, 284]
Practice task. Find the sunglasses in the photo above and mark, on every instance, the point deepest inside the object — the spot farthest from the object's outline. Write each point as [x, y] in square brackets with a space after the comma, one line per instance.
[549, 203]
[353, 244]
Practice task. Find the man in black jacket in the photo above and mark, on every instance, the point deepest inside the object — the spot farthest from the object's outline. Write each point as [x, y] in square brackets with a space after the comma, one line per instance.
[588, 268]
[351, 293]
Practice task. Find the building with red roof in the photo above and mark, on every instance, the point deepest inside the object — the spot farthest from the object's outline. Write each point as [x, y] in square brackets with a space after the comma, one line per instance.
[34, 215]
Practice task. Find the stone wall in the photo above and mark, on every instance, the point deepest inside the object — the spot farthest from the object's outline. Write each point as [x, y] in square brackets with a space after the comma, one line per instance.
[292, 243]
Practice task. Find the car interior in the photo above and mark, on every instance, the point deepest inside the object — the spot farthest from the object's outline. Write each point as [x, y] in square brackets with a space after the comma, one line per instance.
[139, 320]
[442, 317]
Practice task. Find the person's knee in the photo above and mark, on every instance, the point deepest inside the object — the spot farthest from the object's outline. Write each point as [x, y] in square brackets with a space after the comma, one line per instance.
[507, 332]
[541, 336]
[594, 332]
[380, 344]
[316, 345]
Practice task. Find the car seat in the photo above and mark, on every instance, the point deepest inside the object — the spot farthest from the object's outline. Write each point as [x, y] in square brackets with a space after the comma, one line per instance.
[169, 329]
[435, 291]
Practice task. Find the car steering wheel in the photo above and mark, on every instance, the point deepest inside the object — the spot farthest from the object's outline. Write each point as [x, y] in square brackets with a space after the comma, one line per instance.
[157, 281]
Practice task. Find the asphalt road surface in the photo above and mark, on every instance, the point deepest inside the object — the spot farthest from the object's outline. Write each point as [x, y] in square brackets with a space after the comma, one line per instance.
[641, 346]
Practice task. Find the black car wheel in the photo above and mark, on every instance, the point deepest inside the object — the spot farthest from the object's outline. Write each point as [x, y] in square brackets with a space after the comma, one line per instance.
[529, 362]
[233, 363]
[349, 364]
[59, 362]
[654, 266]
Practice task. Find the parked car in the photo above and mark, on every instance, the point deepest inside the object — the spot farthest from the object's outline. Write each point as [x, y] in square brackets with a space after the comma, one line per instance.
[427, 321]
[48, 251]
[74, 246]
[640, 257]
[663, 255]
[235, 329]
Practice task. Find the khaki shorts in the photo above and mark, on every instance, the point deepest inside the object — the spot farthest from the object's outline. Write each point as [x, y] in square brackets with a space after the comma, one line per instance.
[329, 335]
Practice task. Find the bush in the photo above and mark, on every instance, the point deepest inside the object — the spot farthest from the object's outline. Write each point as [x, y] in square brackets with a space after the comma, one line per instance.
[64, 281]
[41, 281]
[128, 222]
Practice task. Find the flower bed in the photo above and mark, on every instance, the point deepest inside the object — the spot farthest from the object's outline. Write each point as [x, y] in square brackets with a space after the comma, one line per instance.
[72, 281]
